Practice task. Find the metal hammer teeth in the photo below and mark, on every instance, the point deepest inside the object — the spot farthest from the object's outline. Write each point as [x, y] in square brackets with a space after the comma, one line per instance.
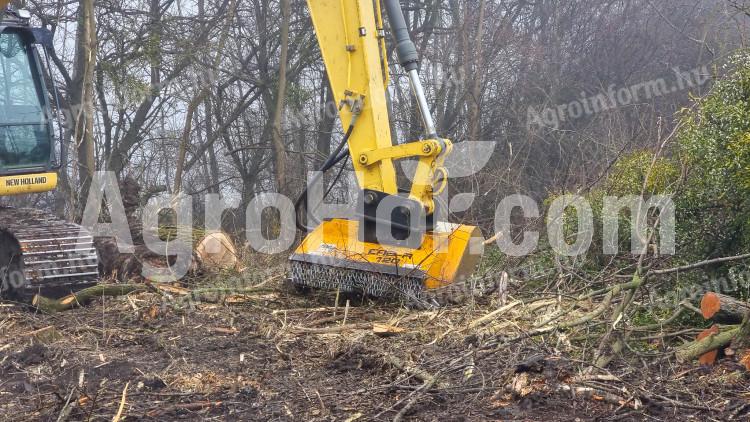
[407, 289]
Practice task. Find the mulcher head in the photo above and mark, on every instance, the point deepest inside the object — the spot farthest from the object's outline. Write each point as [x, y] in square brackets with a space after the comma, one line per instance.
[333, 257]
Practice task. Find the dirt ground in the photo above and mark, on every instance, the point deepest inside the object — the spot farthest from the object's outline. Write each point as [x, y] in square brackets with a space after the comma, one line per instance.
[284, 356]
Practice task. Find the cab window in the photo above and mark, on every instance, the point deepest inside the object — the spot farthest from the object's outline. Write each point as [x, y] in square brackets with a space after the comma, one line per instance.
[24, 131]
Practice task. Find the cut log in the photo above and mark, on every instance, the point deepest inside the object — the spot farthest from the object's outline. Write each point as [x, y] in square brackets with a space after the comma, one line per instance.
[217, 252]
[723, 309]
[708, 358]
[746, 360]
[710, 305]
[84, 296]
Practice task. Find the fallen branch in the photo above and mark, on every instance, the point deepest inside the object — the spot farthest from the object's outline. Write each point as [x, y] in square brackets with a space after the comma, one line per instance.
[303, 310]
[493, 315]
[187, 406]
[221, 294]
[122, 403]
[84, 296]
[698, 348]
[414, 371]
[333, 330]
[660, 325]
[39, 331]
[326, 320]
[599, 395]
[701, 264]
[413, 400]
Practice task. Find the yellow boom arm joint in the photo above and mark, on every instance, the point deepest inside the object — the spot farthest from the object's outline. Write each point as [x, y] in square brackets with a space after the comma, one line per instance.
[431, 154]
[430, 148]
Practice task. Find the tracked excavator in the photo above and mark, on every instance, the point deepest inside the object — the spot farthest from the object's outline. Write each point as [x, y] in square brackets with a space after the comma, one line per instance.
[393, 247]
[38, 252]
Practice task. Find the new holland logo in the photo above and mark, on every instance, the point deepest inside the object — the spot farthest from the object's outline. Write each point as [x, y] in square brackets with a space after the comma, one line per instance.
[26, 181]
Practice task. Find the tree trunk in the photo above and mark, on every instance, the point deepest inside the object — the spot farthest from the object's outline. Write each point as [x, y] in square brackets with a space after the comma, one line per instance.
[475, 123]
[213, 164]
[84, 106]
[199, 98]
[279, 148]
[184, 140]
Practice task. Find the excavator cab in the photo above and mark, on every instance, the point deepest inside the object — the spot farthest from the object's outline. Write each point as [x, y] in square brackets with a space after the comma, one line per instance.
[27, 141]
[38, 252]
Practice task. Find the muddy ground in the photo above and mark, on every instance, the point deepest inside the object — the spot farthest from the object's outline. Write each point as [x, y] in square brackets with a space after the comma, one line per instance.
[278, 356]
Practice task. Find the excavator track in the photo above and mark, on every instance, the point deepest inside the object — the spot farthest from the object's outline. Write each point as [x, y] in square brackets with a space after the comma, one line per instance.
[40, 253]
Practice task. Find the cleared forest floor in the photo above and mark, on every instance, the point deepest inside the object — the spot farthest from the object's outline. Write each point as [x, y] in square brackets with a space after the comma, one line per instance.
[284, 356]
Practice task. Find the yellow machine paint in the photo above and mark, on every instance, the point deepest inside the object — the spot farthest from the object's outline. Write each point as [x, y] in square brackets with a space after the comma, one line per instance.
[27, 183]
[351, 35]
[351, 38]
[449, 253]
[355, 66]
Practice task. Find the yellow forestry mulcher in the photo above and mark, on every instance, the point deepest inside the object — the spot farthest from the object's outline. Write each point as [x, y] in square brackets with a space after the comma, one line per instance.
[401, 252]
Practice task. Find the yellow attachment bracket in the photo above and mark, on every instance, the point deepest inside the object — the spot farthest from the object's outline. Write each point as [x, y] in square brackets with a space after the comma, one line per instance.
[354, 102]
[431, 154]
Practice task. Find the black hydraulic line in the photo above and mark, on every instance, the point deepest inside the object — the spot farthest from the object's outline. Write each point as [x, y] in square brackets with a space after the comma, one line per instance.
[336, 179]
[341, 152]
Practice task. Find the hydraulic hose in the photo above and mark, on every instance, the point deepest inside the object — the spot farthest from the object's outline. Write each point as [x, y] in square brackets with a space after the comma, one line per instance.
[341, 152]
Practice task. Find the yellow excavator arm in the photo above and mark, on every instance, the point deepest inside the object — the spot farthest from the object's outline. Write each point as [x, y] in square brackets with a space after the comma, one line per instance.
[352, 41]
[351, 255]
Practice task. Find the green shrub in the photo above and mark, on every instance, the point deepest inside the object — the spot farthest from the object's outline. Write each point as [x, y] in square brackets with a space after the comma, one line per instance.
[714, 148]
